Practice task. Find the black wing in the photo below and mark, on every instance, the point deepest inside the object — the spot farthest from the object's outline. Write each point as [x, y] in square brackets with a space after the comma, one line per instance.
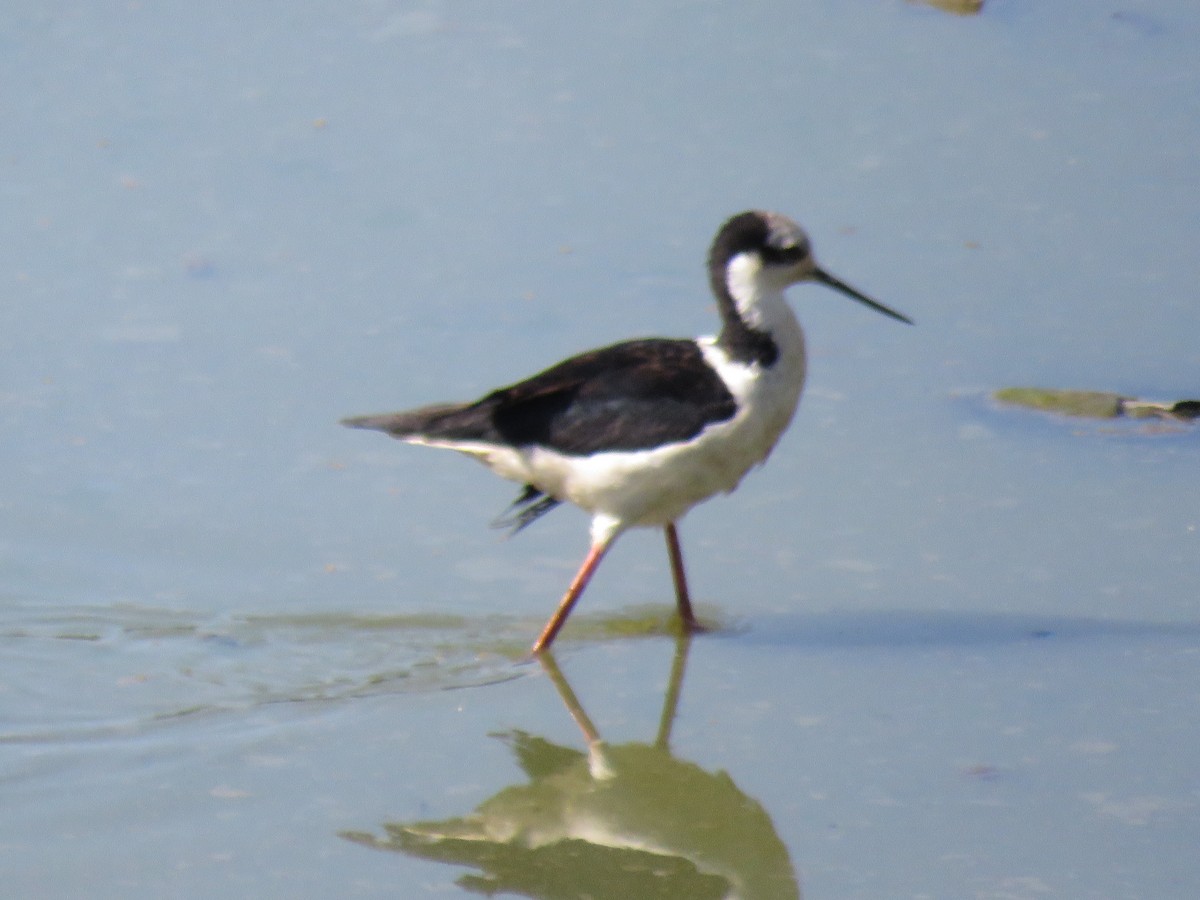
[629, 396]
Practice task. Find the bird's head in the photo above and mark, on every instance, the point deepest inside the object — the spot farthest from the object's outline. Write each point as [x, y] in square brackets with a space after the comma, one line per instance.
[756, 253]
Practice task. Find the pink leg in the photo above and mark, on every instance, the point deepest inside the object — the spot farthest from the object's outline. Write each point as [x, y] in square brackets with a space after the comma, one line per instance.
[582, 577]
[682, 600]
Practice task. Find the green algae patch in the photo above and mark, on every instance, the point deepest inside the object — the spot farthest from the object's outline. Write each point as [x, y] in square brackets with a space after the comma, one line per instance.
[635, 622]
[1096, 404]
[1089, 404]
[958, 7]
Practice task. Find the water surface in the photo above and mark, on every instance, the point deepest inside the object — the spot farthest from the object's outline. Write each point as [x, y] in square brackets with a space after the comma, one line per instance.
[955, 646]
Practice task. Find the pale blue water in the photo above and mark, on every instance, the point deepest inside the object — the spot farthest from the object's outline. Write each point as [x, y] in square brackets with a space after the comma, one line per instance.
[959, 647]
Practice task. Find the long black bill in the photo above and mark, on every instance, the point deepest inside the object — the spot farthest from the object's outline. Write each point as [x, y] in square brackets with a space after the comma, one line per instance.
[838, 285]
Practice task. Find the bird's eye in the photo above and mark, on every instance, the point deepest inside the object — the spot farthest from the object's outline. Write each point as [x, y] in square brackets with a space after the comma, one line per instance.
[784, 256]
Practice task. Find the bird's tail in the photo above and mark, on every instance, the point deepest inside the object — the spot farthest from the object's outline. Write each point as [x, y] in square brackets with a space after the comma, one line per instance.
[445, 421]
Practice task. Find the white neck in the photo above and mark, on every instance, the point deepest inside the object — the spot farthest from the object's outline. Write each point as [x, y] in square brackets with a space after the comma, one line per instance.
[757, 294]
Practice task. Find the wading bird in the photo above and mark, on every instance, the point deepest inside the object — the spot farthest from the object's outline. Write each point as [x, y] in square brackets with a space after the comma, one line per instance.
[639, 432]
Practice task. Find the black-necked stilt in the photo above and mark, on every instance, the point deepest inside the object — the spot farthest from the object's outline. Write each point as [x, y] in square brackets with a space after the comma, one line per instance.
[640, 432]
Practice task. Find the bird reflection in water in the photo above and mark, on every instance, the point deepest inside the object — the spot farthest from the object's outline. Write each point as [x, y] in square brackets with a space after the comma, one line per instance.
[614, 821]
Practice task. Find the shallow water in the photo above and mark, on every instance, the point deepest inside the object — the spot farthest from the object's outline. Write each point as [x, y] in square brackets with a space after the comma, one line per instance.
[954, 647]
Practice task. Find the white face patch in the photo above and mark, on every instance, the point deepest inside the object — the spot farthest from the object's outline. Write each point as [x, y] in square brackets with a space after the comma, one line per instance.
[757, 289]
[743, 277]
